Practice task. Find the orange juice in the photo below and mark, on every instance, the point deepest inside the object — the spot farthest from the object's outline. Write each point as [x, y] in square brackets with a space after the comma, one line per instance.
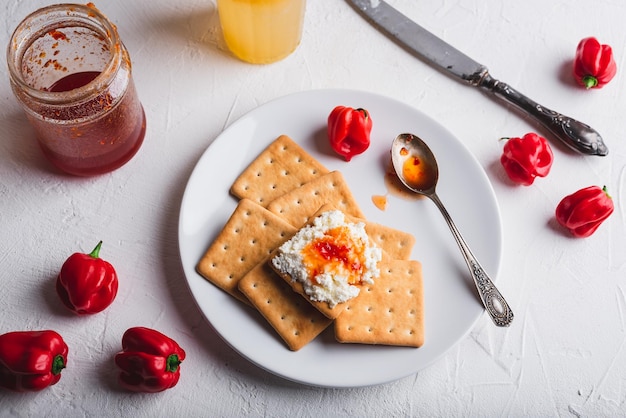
[261, 31]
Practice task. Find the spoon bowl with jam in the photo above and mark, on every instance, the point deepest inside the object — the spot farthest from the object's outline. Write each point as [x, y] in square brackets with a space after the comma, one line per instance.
[416, 167]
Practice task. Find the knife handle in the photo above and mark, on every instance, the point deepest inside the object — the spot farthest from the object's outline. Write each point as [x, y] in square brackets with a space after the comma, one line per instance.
[576, 135]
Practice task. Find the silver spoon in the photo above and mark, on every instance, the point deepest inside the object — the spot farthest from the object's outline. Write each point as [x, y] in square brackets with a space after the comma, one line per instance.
[416, 167]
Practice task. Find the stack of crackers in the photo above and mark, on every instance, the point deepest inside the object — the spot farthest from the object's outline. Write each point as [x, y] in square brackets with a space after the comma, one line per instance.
[279, 192]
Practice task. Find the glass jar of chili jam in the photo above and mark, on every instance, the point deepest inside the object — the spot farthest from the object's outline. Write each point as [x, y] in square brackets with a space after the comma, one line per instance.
[72, 75]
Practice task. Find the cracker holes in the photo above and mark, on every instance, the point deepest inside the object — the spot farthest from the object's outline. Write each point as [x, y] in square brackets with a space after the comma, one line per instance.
[225, 247]
[259, 174]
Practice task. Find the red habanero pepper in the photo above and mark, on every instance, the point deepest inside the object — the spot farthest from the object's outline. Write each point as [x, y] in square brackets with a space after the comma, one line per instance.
[31, 360]
[87, 284]
[349, 131]
[594, 65]
[149, 361]
[583, 211]
[526, 158]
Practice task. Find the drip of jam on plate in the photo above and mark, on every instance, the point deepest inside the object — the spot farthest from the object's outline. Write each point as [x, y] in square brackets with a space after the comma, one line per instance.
[395, 188]
[380, 201]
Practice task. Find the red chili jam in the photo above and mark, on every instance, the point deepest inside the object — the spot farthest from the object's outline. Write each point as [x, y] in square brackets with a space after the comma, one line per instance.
[74, 82]
[335, 252]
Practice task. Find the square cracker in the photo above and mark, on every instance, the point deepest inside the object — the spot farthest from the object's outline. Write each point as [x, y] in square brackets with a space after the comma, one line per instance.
[397, 244]
[298, 205]
[281, 167]
[248, 237]
[389, 312]
[294, 319]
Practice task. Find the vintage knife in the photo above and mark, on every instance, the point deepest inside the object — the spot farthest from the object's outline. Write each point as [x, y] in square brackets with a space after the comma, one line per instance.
[576, 135]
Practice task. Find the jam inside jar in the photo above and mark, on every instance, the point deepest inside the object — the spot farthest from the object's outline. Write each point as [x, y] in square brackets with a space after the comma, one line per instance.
[72, 75]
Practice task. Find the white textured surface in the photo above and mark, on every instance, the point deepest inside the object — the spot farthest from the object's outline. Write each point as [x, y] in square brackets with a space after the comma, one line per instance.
[565, 353]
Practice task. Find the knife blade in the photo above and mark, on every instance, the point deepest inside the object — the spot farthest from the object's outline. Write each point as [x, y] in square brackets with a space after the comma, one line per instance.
[576, 135]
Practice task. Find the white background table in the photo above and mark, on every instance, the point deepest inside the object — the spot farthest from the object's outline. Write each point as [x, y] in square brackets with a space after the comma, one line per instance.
[564, 355]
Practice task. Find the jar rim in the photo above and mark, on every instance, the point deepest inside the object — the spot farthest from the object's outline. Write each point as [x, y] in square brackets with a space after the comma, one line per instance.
[48, 18]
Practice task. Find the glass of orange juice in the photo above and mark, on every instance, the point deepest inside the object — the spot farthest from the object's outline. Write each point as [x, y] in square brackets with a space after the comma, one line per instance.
[261, 31]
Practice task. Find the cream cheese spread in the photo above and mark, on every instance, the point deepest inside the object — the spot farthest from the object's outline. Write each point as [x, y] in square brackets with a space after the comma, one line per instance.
[332, 258]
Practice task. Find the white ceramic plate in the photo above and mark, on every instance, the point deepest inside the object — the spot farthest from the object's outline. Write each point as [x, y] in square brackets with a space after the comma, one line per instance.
[451, 303]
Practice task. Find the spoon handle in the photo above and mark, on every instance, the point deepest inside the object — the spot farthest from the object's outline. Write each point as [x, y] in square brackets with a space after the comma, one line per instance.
[497, 308]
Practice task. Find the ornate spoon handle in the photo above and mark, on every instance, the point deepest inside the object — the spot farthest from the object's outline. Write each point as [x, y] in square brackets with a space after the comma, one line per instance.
[576, 135]
[497, 308]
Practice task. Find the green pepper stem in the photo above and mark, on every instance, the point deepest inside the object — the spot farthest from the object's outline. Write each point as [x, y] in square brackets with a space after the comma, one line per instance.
[58, 364]
[172, 363]
[590, 81]
[96, 251]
